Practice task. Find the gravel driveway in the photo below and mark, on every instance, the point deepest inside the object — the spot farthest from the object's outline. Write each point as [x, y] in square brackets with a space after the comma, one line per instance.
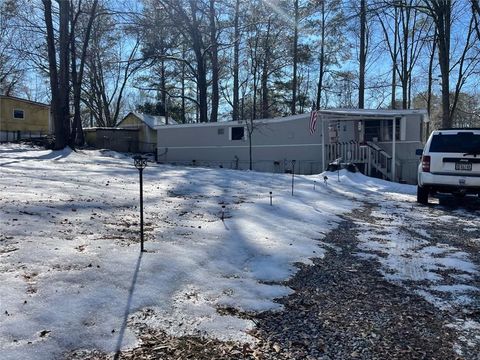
[398, 281]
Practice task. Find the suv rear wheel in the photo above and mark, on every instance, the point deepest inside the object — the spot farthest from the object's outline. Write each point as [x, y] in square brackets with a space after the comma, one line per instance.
[422, 194]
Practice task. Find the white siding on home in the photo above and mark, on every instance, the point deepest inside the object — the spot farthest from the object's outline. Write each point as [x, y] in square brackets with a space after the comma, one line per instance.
[276, 142]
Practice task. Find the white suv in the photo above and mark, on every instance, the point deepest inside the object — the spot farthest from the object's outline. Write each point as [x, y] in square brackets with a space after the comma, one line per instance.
[450, 164]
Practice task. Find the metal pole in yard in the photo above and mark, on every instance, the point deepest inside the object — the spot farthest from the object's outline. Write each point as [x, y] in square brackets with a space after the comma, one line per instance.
[141, 163]
[141, 210]
[322, 122]
[394, 132]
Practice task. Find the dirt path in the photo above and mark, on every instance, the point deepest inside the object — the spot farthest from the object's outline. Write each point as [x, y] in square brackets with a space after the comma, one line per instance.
[344, 308]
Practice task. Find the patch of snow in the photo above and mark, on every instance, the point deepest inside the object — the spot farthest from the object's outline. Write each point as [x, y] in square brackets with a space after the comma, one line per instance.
[72, 276]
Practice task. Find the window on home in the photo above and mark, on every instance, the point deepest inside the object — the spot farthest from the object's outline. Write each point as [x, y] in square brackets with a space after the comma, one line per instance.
[388, 126]
[220, 131]
[18, 114]
[372, 130]
[238, 133]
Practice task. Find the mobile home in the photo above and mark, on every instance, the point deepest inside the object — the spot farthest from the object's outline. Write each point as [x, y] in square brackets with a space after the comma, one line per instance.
[364, 137]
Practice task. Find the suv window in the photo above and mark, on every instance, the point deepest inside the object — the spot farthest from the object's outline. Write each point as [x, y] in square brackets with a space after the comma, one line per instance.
[462, 142]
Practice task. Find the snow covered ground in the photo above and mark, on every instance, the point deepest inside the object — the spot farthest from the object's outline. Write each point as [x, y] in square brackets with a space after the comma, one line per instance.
[71, 273]
[72, 276]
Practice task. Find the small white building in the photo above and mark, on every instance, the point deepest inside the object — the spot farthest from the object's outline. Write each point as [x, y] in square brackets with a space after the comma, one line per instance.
[364, 137]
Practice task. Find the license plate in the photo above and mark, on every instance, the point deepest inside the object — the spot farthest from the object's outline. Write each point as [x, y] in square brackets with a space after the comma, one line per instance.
[463, 166]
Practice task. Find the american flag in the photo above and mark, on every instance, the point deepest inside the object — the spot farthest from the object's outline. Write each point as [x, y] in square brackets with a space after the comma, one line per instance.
[313, 122]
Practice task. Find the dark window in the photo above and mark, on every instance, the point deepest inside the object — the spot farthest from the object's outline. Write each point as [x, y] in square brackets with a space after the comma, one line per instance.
[462, 142]
[221, 131]
[381, 130]
[388, 124]
[18, 114]
[372, 130]
[238, 133]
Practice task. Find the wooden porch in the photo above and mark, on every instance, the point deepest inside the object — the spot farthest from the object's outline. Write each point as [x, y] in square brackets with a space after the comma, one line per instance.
[372, 159]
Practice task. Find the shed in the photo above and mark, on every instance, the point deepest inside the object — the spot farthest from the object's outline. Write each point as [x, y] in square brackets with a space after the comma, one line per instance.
[147, 128]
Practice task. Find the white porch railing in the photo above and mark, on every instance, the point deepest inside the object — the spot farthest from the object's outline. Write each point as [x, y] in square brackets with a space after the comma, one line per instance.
[369, 154]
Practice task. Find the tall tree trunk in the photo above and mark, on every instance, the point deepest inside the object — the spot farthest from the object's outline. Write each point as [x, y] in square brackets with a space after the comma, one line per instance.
[363, 54]
[163, 85]
[264, 84]
[198, 49]
[430, 78]
[476, 16]
[163, 88]
[64, 65]
[76, 93]
[295, 59]
[202, 86]
[59, 78]
[236, 55]
[394, 61]
[214, 59]
[60, 139]
[441, 13]
[183, 90]
[265, 71]
[405, 15]
[77, 136]
[254, 100]
[321, 70]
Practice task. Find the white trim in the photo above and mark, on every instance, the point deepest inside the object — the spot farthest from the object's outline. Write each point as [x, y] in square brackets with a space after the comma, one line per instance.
[373, 112]
[398, 142]
[329, 115]
[237, 123]
[237, 146]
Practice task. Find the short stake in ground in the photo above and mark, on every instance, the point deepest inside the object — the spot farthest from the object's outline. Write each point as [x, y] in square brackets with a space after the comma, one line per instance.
[141, 163]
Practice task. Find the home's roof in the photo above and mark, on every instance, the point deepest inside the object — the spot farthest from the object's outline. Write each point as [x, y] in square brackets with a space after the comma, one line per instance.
[24, 100]
[151, 120]
[95, 128]
[328, 115]
[370, 114]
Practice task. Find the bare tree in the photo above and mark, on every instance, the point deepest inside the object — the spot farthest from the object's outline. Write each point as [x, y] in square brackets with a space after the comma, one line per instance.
[11, 65]
[441, 11]
[236, 61]
[476, 16]
[76, 136]
[296, 20]
[108, 71]
[59, 71]
[362, 54]
[404, 31]
[331, 42]
[466, 62]
[214, 60]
